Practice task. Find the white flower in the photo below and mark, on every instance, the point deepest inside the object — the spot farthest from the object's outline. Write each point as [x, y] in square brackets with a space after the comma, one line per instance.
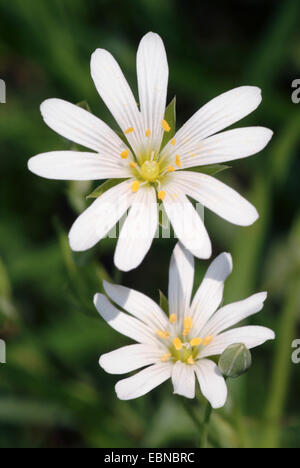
[178, 346]
[150, 172]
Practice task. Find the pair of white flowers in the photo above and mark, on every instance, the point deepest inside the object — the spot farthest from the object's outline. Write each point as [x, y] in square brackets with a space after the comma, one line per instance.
[152, 173]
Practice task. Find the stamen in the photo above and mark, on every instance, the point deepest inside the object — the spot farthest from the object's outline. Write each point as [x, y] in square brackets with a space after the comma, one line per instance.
[186, 331]
[188, 322]
[129, 130]
[173, 318]
[177, 344]
[125, 154]
[178, 160]
[166, 127]
[196, 341]
[161, 195]
[133, 164]
[148, 132]
[173, 141]
[135, 186]
[163, 334]
[165, 357]
[171, 169]
[207, 340]
[190, 360]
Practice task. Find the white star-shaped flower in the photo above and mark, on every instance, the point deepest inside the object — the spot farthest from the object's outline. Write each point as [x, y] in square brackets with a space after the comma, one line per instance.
[152, 173]
[178, 346]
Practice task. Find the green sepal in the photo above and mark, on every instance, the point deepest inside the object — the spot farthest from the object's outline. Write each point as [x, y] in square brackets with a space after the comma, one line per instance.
[211, 169]
[163, 302]
[170, 117]
[108, 184]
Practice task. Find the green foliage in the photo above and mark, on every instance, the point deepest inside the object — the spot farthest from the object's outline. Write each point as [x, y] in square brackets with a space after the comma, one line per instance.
[170, 117]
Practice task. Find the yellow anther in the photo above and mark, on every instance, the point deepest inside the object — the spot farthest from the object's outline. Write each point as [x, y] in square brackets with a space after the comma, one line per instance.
[177, 344]
[163, 334]
[161, 194]
[135, 186]
[148, 132]
[173, 141]
[171, 169]
[186, 331]
[207, 340]
[173, 318]
[129, 130]
[178, 160]
[166, 127]
[165, 357]
[196, 341]
[125, 154]
[188, 322]
[133, 164]
[190, 360]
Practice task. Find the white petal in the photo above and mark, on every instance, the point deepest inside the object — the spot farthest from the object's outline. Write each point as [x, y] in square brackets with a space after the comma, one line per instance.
[210, 292]
[143, 382]
[129, 358]
[227, 146]
[212, 383]
[183, 379]
[187, 224]
[152, 74]
[97, 220]
[137, 304]
[124, 323]
[219, 113]
[138, 230]
[117, 95]
[75, 165]
[250, 336]
[234, 313]
[181, 278]
[82, 127]
[218, 197]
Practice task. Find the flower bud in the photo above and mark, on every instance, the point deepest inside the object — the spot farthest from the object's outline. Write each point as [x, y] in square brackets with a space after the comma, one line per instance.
[235, 360]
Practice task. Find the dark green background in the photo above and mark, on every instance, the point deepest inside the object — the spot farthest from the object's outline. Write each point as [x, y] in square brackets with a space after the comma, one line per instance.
[52, 391]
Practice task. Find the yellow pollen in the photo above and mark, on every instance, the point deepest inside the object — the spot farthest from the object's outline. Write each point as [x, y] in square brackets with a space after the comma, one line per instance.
[165, 357]
[173, 141]
[207, 340]
[166, 127]
[163, 334]
[133, 164]
[190, 360]
[135, 186]
[148, 132]
[161, 195]
[196, 341]
[188, 322]
[178, 160]
[186, 331]
[129, 130]
[173, 318]
[171, 169]
[177, 344]
[125, 154]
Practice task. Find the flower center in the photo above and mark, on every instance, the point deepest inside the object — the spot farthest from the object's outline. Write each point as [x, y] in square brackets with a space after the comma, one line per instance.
[182, 348]
[150, 170]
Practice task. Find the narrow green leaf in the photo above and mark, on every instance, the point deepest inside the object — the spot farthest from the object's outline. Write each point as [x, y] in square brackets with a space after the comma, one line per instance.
[170, 117]
[108, 184]
[163, 302]
[211, 169]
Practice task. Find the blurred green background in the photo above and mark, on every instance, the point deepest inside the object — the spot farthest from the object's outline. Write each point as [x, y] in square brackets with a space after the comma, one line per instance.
[52, 391]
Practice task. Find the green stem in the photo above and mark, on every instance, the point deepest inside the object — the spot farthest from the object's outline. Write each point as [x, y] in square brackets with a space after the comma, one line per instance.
[205, 426]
